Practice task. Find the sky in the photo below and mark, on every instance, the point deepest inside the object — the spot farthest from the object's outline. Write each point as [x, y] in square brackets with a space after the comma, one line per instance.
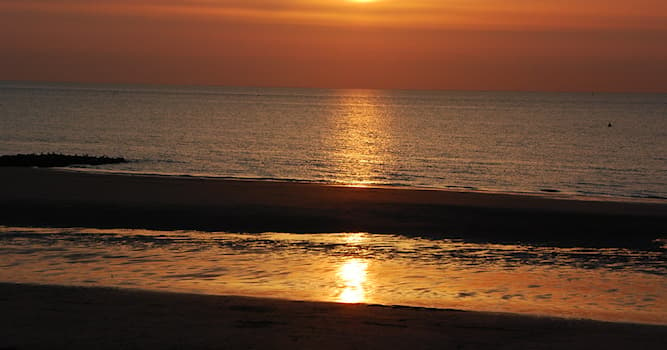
[528, 45]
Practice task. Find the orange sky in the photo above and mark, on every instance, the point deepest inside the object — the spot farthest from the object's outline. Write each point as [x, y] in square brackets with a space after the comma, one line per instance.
[576, 45]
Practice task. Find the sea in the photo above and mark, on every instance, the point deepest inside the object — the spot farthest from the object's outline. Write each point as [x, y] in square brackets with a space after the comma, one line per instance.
[580, 145]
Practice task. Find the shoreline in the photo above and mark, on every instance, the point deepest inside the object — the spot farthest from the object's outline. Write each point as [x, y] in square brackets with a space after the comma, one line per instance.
[64, 198]
[84, 317]
[545, 193]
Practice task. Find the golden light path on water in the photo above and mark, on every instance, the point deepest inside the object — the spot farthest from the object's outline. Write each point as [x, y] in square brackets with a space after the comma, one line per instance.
[361, 142]
[352, 274]
[604, 284]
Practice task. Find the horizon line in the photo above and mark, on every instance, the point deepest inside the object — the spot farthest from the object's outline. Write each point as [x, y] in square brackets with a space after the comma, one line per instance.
[651, 92]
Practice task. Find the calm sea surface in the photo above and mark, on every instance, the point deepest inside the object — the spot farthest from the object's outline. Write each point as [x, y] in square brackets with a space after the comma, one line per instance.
[498, 141]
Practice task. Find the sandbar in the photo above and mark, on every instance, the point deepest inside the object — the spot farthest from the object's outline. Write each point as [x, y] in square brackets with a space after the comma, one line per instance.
[58, 198]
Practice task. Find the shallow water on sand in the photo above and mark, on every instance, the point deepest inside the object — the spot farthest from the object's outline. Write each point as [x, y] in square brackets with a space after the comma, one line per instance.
[603, 284]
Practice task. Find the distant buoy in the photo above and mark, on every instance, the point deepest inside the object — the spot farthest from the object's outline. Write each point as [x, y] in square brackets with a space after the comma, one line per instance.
[609, 125]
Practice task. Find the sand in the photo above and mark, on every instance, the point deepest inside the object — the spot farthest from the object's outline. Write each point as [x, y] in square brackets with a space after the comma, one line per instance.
[47, 197]
[100, 318]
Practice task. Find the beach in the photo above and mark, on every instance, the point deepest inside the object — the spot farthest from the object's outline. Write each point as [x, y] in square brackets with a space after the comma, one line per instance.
[353, 174]
[48, 316]
[60, 198]
[84, 318]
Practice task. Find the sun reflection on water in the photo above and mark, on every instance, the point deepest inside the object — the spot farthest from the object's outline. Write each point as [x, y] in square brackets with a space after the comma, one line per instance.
[353, 238]
[352, 275]
[361, 141]
[605, 284]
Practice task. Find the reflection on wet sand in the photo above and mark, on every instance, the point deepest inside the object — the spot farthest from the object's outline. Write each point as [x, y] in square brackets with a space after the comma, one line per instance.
[352, 274]
[604, 284]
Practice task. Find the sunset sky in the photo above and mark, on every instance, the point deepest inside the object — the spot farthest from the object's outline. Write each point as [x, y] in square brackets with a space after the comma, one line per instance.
[553, 45]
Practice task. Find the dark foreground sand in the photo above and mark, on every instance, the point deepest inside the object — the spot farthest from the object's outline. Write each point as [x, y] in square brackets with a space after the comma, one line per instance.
[51, 317]
[44, 197]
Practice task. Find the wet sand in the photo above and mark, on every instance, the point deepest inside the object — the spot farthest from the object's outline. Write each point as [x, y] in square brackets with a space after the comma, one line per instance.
[47, 197]
[102, 318]
[69, 317]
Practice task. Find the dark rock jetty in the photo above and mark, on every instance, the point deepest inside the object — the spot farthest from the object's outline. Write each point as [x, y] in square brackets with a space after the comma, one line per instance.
[45, 160]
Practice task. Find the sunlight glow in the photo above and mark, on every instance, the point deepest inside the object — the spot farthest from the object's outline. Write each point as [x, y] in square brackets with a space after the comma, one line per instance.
[352, 274]
[353, 238]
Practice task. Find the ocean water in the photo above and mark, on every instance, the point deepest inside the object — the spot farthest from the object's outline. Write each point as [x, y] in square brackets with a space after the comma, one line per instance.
[603, 284]
[487, 141]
